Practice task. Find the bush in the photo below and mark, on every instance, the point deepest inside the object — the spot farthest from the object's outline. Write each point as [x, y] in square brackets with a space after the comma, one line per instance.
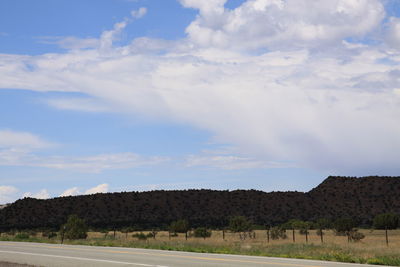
[32, 232]
[356, 236]
[22, 236]
[202, 232]
[278, 232]
[152, 234]
[49, 234]
[52, 235]
[75, 228]
[141, 236]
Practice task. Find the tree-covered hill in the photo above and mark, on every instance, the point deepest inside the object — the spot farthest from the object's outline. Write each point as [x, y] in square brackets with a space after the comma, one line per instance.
[360, 198]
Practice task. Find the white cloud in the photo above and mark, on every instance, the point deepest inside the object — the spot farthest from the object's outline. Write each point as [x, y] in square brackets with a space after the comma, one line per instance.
[7, 193]
[88, 164]
[79, 104]
[42, 194]
[335, 108]
[15, 139]
[20, 149]
[74, 191]
[101, 188]
[230, 162]
[137, 14]
[282, 23]
[70, 42]
[70, 192]
[108, 37]
[393, 32]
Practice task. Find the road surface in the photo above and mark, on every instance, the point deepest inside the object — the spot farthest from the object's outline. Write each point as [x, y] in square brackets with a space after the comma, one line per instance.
[56, 255]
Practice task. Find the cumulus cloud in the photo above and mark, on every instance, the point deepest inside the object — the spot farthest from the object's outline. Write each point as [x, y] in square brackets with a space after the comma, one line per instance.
[74, 191]
[101, 188]
[70, 192]
[282, 23]
[42, 194]
[334, 109]
[7, 193]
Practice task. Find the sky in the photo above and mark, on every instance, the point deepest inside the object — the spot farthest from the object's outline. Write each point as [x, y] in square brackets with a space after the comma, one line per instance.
[136, 95]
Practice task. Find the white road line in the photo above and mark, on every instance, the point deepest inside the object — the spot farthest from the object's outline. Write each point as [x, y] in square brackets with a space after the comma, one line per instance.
[79, 258]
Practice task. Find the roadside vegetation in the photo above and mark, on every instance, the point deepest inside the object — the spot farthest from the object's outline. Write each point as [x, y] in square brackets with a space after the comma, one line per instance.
[339, 240]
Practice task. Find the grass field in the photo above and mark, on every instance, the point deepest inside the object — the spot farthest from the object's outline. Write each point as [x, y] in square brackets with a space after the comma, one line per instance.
[372, 249]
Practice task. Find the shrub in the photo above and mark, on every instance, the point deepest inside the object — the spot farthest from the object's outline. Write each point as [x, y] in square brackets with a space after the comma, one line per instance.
[52, 235]
[152, 234]
[278, 232]
[343, 226]
[75, 228]
[49, 234]
[141, 236]
[202, 232]
[355, 236]
[241, 225]
[22, 236]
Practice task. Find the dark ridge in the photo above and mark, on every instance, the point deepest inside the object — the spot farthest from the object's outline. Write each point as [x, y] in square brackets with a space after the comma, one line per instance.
[358, 198]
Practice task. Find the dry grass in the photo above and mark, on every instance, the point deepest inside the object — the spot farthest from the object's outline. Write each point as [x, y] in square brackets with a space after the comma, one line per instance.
[372, 249]
[371, 246]
[374, 239]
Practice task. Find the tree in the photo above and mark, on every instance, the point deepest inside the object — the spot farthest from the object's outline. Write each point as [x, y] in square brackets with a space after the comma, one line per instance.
[303, 227]
[386, 221]
[344, 226]
[241, 225]
[180, 226]
[75, 228]
[293, 224]
[202, 232]
[126, 231]
[321, 225]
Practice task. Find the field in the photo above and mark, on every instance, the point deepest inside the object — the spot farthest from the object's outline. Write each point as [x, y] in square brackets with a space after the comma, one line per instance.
[372, 249]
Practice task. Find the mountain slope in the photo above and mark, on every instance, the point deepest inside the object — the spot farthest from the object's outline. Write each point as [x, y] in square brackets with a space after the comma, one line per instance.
[360, 198]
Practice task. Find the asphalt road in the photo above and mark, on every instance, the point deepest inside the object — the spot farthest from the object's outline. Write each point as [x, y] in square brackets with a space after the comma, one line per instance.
[39, 254]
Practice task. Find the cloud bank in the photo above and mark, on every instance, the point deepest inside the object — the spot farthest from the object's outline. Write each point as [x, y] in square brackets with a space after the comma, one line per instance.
[21, 149]
[314, 83]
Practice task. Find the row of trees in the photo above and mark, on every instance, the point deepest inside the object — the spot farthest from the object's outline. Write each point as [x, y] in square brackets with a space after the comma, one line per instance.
[75, 228]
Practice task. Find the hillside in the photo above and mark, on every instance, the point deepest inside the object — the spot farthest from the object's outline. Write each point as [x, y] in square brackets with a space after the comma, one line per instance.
[360, 198]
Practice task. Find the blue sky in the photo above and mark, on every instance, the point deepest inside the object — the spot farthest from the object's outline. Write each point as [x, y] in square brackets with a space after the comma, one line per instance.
[121, 95]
